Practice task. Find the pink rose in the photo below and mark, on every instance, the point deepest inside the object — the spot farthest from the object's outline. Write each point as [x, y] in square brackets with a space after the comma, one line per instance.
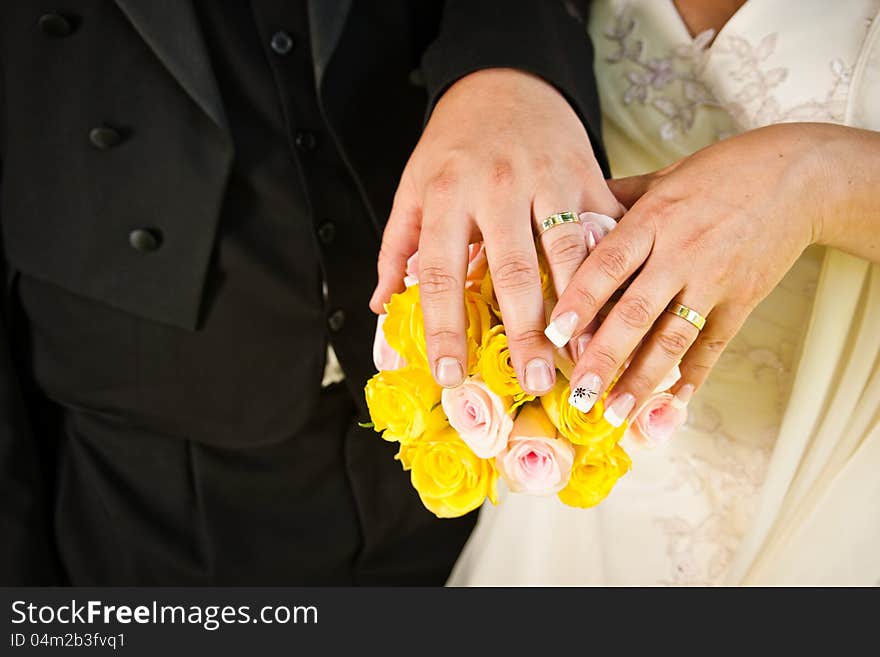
[535, 461]
[659, 418]
[384, 357]
[596, 226]
[477, 266]
[478, 415]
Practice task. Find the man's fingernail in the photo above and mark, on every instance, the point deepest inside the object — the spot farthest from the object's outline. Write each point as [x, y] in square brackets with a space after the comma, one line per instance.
[584, 395]
[448, 372]
[619, 409]
[538, 376]
[582, 342]
[559, 331]
[683, 396]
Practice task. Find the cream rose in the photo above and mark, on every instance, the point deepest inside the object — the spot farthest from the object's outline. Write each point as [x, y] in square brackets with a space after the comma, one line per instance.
[536, 461]
[659, 418]
[384, 356]
[596, 226]
[479, 416]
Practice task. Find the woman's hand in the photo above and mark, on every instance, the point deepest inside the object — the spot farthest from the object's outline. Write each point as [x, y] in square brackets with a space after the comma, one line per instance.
[502, 149]
[714, 232]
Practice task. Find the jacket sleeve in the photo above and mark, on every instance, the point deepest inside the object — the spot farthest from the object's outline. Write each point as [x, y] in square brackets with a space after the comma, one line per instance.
[27, 552]
[547, 38]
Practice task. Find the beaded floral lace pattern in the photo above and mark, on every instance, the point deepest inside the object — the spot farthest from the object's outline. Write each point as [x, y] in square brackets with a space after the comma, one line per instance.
[673, 84]
[756, 103]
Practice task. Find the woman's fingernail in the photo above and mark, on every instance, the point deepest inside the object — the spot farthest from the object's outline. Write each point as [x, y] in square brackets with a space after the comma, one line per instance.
[683, 396]
[538, 376]
[560, 330]
[584, 395]
[582, 342]
[619, 409]
[448, 372]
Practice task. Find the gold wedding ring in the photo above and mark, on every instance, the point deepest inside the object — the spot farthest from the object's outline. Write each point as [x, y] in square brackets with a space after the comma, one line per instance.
[687, 314]
[557, 220]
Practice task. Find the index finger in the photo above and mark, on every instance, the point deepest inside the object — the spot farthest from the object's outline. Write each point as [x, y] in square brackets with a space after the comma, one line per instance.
[605, 270]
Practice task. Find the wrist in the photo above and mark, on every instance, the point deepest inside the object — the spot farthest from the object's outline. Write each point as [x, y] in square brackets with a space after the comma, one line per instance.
[843, 179]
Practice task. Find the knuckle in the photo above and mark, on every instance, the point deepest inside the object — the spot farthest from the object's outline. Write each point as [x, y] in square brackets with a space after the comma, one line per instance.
[713, 345]
[604, 362]
[441, 335]
[635, 311]
[587, 299]
[436, 280]
[566, 248]
[613, 261]
[442, 183]
[673, 343]
[501, 173]
[516, 271]
[525, 338]
[700, 369]
[640, 384]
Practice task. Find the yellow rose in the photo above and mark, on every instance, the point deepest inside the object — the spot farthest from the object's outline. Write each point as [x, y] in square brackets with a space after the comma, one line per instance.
[480, 322]
[593, 476]
[588, 429]
[450, 479]
[404, 327]
[496, 370]
[404, 403]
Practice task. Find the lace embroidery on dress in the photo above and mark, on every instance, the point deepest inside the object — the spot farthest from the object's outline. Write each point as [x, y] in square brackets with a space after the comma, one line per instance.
[756, 104]
[731, 473]
[653, 81]
[700, 550]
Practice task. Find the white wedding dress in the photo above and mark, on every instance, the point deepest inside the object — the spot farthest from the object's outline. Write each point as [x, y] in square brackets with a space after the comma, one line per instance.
[680, 516]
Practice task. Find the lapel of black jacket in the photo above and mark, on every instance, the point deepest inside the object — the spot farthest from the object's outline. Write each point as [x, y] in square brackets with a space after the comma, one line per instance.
[171, 28]
[326, 20]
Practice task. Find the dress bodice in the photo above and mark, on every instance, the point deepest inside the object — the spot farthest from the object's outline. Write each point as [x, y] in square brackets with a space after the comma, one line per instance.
[665, 95]
[678, 517]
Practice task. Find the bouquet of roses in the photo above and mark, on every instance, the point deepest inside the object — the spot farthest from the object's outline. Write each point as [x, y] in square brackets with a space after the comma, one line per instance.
[457, 442]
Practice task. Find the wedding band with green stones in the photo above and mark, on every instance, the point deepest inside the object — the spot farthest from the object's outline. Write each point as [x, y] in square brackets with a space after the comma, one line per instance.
[557, 220]
[687, 314]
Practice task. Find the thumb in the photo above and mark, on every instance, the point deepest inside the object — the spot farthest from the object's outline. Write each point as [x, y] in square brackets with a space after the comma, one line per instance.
[399, 241]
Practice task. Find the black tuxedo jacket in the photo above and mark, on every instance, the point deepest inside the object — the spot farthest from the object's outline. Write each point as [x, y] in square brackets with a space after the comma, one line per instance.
[78, 214]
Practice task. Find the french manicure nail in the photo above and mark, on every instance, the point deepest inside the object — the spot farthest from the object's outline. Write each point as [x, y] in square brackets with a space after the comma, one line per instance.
[584, 395]
[538, 377]
[560, 330]
[683, 396]
[582, 342]
[619, 409]
[448, 372]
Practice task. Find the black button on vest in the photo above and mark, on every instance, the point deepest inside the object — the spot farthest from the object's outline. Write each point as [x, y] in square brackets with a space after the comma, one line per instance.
[306, 141]
[336, 320]
[56, 25]
[327, 232]
[281, 43]
[105, 137]
[145, 240]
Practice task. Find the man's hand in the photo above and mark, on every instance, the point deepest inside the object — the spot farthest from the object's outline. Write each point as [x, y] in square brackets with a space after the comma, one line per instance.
[502, 151]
